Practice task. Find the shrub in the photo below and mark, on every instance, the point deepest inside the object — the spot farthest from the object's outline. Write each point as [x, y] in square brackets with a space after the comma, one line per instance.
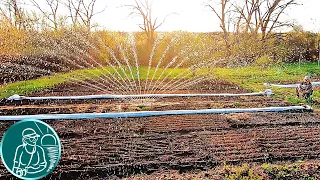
[263, 61]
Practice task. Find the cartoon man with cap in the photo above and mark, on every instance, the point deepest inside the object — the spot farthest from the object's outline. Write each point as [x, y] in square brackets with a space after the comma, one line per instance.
[29, 157]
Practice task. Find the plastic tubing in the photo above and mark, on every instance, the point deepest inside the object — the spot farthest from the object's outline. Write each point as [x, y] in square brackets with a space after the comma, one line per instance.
[290, 85]
[150, 113]
[16, 97]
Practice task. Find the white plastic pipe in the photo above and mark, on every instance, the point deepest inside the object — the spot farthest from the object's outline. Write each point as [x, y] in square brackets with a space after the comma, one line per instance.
[289, 85]
[16, 97]
[149, 113]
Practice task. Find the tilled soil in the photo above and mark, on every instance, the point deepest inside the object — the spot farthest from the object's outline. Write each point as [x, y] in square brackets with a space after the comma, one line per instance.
[123, 147]
[78, 88]
[102, 106]
[27, 107]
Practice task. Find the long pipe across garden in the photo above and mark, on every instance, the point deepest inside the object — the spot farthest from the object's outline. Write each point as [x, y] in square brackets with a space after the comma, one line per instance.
[151, 113]
[16, 97]
[289, 85]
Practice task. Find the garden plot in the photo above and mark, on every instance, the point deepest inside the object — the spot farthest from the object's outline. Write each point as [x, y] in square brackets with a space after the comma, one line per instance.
[123, 147]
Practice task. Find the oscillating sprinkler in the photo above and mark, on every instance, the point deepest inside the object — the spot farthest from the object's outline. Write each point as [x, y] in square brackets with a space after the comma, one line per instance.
[268, 92]
[15, 97]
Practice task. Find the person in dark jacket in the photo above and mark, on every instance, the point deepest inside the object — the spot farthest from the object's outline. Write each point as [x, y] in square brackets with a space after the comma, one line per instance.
[305, 88]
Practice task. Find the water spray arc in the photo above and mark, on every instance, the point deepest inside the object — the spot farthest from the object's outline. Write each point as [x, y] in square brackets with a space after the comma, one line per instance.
[112, 76]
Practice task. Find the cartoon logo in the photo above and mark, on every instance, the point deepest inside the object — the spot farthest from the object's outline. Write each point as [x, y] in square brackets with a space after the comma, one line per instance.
[30, 149]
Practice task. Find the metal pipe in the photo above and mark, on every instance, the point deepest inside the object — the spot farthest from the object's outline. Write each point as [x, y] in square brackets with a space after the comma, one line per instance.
[150, 113]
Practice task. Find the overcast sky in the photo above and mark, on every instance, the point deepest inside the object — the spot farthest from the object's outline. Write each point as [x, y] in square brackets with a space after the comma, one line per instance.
[192, 15]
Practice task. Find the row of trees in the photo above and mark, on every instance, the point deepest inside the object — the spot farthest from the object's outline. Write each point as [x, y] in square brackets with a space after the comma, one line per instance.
[238, 16]
[49, 14]
[250, 18]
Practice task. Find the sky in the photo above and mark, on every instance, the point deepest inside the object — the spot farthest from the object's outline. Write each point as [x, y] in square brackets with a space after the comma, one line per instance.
[191, 15]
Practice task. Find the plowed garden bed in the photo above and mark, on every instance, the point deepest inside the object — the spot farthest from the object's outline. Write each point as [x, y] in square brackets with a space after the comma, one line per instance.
[125, 147]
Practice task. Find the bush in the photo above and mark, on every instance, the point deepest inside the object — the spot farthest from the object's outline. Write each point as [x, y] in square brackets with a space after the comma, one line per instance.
[263, 61]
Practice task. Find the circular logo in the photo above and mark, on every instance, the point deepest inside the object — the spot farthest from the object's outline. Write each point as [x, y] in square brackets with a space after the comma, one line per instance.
[30, 149]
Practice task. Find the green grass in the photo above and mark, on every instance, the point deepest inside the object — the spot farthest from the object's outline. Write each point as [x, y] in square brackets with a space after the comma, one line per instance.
[28, 86]
[289, 171]
[295, 170]
[253, 78]
[24, 87]
[247, 77]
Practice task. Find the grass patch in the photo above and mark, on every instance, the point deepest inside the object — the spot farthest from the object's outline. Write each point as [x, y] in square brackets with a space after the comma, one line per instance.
[24, 87]
[253, 78]
[296, 170]
[294, 100]
[28, 86]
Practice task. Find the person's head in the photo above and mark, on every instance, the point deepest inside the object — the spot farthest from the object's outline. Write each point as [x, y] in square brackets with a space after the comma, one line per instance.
[307, 79]
[29, 136]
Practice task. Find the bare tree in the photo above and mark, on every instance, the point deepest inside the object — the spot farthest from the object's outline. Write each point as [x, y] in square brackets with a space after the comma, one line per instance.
[263, 15]
[18, 14]
[269, 20]
[247, 14]
[150, 24]
[82, 12]
[14, 13]
[3, 10]
[52, 15]
[73, 11]
[223, 12]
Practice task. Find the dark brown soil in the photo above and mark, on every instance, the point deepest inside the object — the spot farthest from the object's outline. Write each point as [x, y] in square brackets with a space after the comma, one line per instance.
[78, 88]
[20, 68]
[108, 148]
